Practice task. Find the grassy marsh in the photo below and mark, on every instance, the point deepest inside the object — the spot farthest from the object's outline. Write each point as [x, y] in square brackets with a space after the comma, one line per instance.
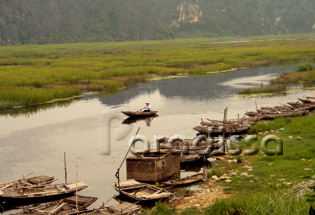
[115, 65]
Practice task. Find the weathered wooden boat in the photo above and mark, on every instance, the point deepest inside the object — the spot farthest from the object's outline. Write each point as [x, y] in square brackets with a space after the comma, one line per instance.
[189, 148]
[136, 114]
[26, 195]
[125, 208]
[35, 181]
[141, 192]
[184, 181]
[65, 206]
[307, 99]
[217, 127]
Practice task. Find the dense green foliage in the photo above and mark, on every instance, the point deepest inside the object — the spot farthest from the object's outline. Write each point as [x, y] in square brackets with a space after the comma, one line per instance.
[46, 21]
[259, 205]
[30, 95]
[304, 67]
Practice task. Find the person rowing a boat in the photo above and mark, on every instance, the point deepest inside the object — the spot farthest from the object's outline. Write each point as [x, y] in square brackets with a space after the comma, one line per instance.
[147, 107]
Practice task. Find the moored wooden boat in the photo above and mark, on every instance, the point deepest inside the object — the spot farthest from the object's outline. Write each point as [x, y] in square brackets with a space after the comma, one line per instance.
[35, 181]
[139, 113]
[22, 195]
[184, 181]
[125, 208]
[141, 192]
[65, 206]
[307, 99]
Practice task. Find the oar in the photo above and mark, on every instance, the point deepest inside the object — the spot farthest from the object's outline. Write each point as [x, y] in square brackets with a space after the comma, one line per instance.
[140, 110]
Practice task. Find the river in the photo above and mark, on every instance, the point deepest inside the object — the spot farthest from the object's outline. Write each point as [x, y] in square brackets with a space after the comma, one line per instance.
[36, 142]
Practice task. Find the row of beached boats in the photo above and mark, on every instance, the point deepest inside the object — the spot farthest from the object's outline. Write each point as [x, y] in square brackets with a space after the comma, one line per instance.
[61, 199]
[241, 125]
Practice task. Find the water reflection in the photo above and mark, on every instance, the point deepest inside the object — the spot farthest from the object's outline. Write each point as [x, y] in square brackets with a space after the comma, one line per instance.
[200, 88]
[32, 110]
[148, 120]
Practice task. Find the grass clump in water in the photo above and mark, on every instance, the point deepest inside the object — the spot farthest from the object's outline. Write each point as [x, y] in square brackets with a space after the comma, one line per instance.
[264, 89]
[304, 67]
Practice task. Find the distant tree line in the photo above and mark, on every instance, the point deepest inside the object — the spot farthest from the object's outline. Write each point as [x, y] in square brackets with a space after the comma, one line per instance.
[63, 21]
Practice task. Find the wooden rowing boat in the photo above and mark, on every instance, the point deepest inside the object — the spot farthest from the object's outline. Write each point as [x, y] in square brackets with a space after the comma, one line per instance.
[24, 195]
[139, 113]
[141, 192]
[125, 208]
[184, 181]
[307, 99]
[65, 206]
[36, 181]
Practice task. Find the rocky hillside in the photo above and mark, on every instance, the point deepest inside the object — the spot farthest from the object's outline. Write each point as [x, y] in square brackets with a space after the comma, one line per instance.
[60, 21]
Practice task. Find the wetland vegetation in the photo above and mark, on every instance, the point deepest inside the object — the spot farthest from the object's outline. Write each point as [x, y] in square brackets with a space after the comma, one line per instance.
[304, 75]
[36, 74]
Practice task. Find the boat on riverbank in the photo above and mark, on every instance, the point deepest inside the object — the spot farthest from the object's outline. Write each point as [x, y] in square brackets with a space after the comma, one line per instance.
[125, 208]
[35, 181]
[185, 181]
[141, 192]
[71, 205]
[26, 195]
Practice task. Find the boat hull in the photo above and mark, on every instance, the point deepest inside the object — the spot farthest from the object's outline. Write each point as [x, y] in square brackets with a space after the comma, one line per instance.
[185, 181]
[12, 197]
[141, 192]
[139, 114]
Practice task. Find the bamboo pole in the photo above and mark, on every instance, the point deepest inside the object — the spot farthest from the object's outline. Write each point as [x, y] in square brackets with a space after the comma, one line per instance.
[65, 165]
[76, 189]
[117, 172]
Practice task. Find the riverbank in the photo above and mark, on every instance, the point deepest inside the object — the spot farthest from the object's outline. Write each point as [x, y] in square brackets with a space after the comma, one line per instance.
[256, 184]
[303, 76]
[71, 69]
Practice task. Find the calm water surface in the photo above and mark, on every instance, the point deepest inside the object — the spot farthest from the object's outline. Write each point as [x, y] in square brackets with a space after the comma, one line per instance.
[37, 142]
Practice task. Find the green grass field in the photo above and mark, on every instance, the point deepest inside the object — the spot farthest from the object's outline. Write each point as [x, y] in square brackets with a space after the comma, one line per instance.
[269, 189]
[75, 68]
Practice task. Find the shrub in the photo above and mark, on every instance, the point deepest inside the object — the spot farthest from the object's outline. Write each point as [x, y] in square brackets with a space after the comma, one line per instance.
[304, 67]
[161, 208]
[215, 171]
[227, 207]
